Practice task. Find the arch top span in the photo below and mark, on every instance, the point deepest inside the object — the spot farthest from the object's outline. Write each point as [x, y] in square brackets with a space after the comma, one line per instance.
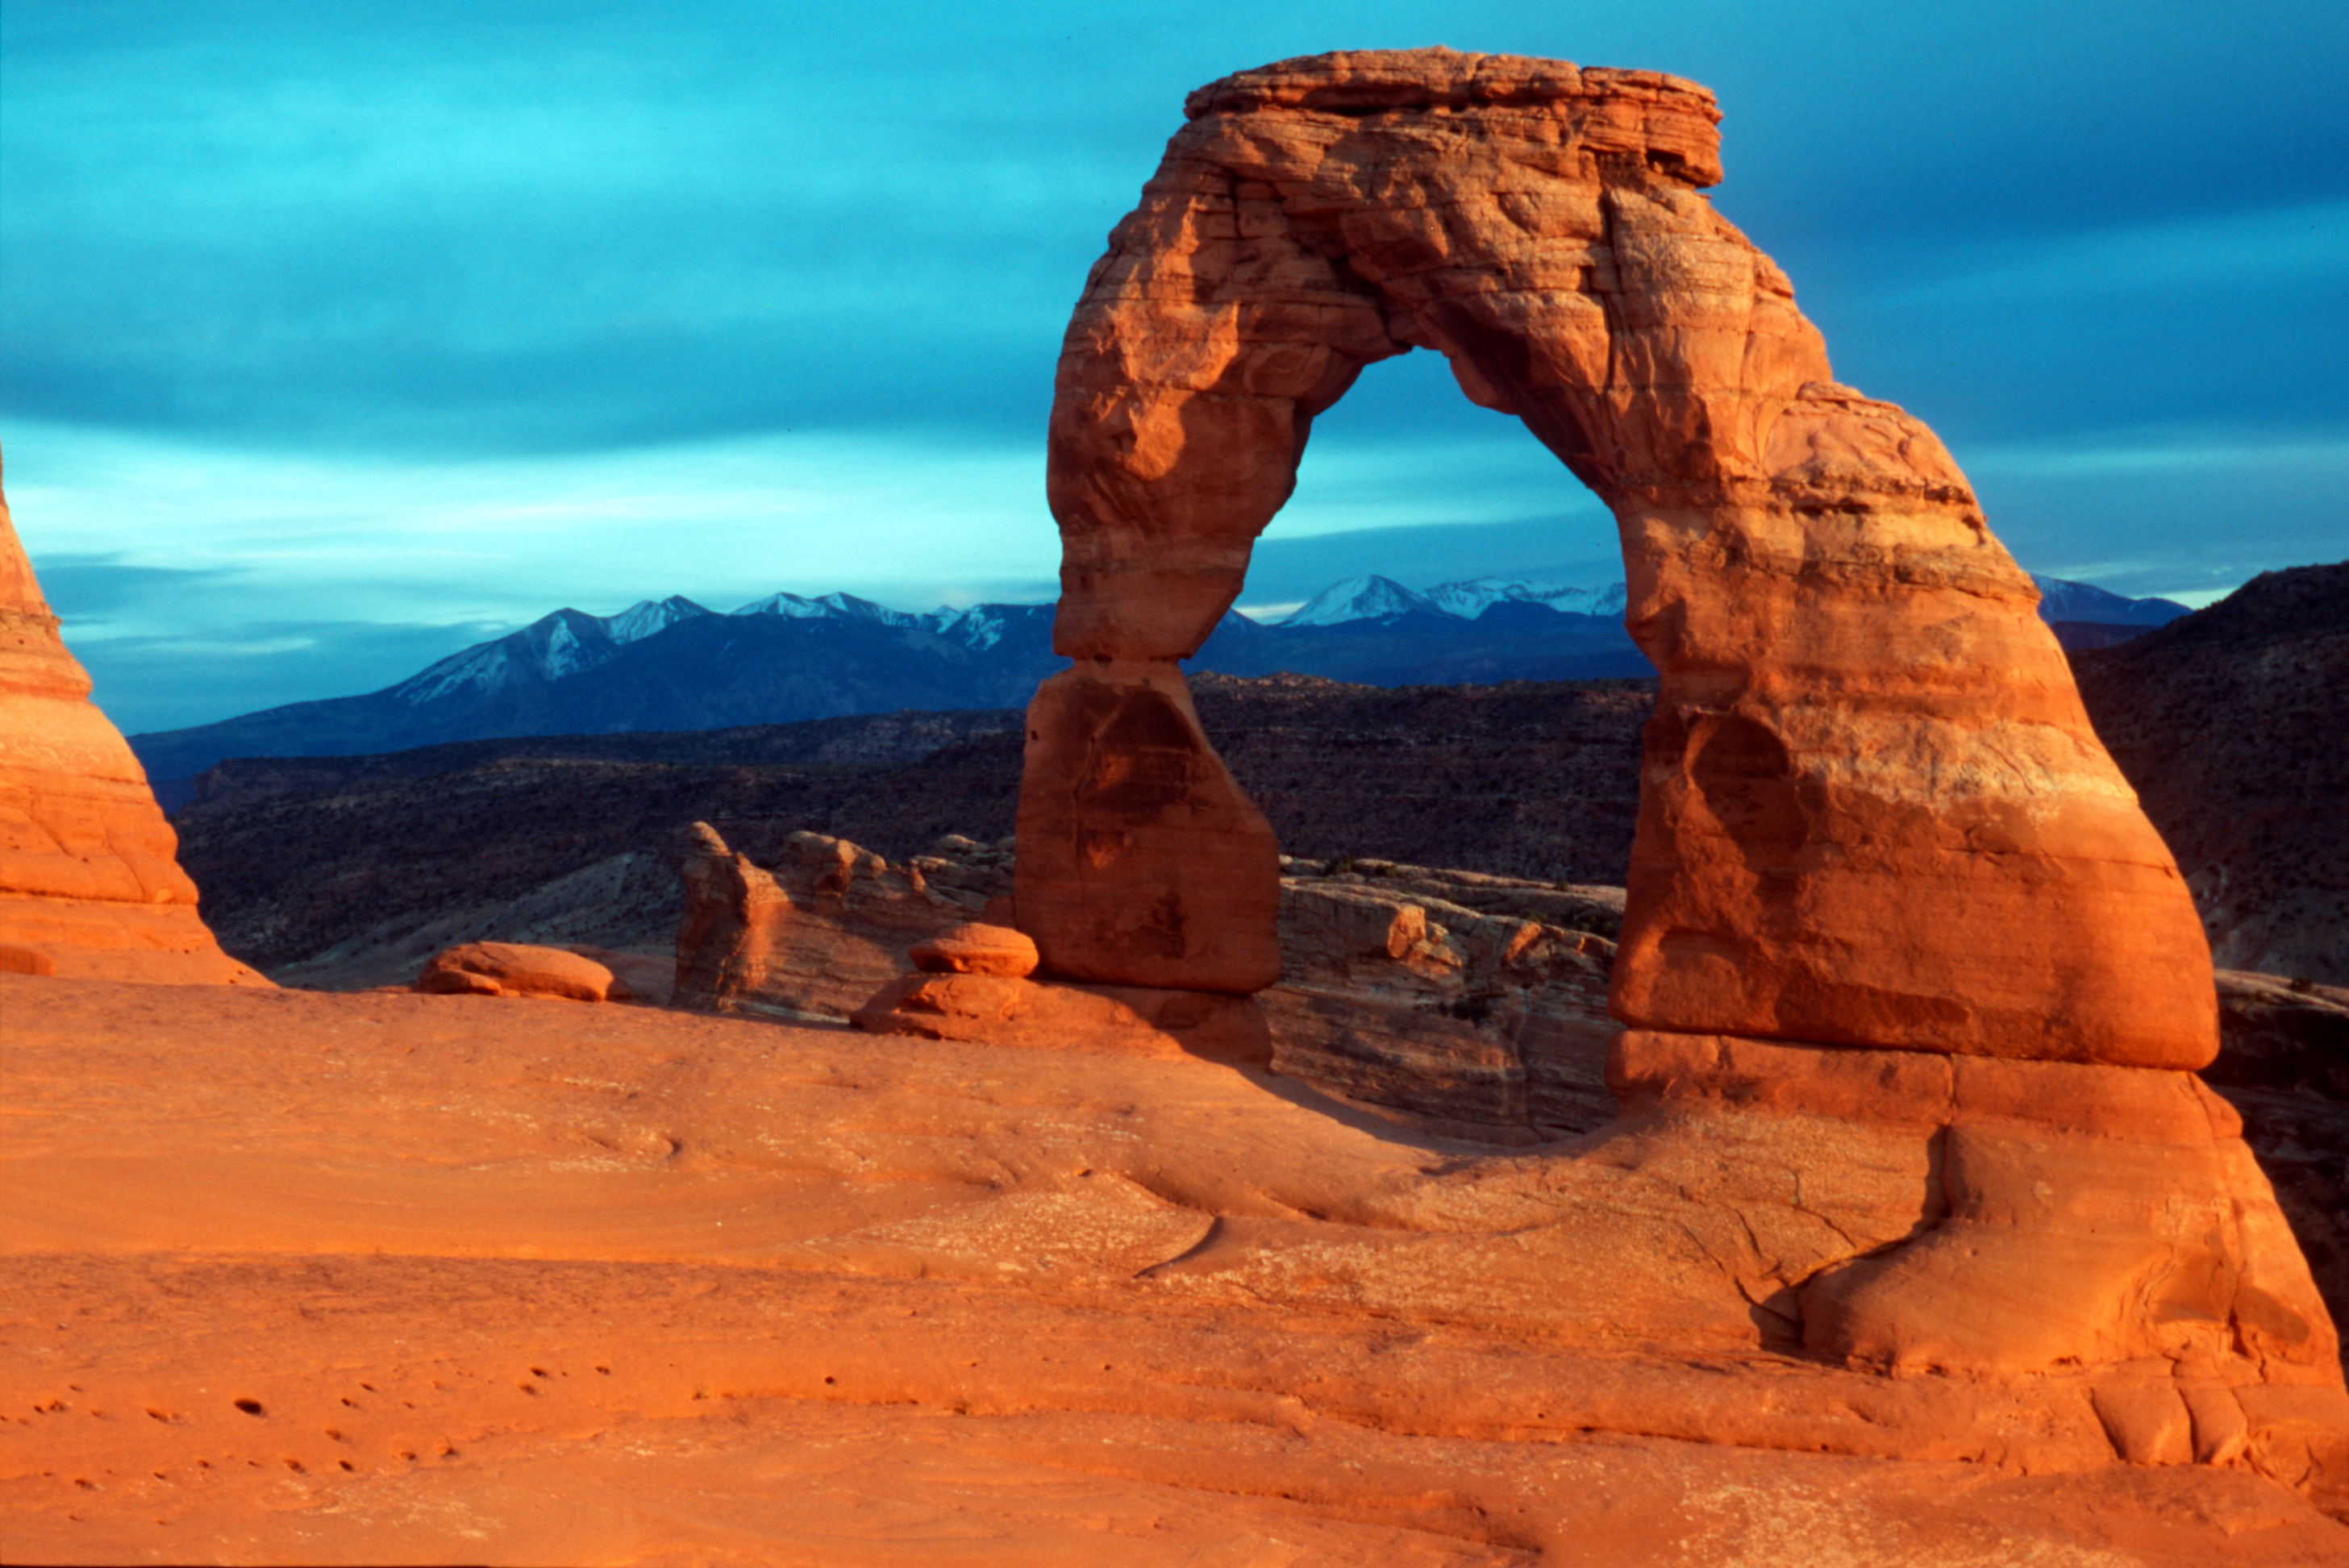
[1872, 809]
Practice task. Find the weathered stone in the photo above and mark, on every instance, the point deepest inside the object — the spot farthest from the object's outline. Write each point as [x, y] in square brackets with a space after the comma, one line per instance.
[88, 885]
[734, 913]
[977, 949]
[1127, 1020]
[1141, 864]
[515, 969]
[1873, 810]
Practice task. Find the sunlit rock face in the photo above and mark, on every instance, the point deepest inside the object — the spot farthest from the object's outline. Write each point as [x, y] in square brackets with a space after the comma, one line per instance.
[1873, 810]
[88, 885]
[1887, 892]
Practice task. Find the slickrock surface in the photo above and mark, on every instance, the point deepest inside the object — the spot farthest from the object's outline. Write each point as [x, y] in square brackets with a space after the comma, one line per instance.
[2231, 721]
[87, 882]
[615, 1285]
[1872, 809]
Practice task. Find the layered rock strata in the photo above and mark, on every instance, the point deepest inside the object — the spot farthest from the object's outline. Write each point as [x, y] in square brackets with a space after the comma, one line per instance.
[88, 885]
[1884, 877]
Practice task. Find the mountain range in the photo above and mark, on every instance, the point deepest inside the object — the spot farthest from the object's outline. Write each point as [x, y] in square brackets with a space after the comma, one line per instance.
[671, 664]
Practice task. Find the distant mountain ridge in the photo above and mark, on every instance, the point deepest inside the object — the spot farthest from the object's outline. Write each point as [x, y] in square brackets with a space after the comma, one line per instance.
[1372, 597]
[2061, 599]
[675, 664]
[2229, 723]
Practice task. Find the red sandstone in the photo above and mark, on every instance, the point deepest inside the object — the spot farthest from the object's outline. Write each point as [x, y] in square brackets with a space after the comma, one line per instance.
[1873, 810]
[87, 882]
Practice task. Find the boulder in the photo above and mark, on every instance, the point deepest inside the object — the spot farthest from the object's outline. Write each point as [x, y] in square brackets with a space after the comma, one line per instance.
[976, 949]
[88, 882]
[1123, 1020]
[517, 969]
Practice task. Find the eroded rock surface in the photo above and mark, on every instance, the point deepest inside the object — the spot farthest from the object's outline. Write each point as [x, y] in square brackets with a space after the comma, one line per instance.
[1873, 811]
[519, 969]
[88, 885]
[977, 948]
[733, 915]
[1886, 886]
[617, 1285]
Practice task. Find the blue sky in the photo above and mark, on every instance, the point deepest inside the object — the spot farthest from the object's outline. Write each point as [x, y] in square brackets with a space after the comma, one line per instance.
[333, 338]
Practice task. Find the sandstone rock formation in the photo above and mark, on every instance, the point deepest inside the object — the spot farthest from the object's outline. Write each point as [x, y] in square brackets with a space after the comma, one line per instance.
[1873, 810]
[1885, 878]
[973, 948]
[519, 969]
[87, 882]
[1141, 862]
[726, 937]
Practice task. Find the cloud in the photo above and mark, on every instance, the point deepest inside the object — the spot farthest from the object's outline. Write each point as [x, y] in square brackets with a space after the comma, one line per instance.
[439, 314]
[89, 589]
[2184, 512]
[498, 227]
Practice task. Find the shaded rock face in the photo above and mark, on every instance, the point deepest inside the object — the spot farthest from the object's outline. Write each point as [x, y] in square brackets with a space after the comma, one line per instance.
[88, 885]
[2231, 719]
[1872, 809]
[1141, 862]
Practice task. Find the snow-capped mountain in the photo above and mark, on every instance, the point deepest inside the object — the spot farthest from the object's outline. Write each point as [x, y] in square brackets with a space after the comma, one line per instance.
[642, 619]
[1375, 598]
[1471, 597]
[567, 642]
[843, 604]
[2063, 600]
[671, 664]
[1368, 598]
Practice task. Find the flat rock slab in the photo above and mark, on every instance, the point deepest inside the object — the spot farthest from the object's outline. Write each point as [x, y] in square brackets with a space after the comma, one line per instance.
[297, 1277]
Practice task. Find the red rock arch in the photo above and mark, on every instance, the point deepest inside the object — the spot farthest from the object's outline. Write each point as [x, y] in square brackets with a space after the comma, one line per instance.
[1872, 809]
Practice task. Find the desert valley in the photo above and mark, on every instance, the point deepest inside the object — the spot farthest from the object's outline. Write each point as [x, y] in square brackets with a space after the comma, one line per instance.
[1875, 1090]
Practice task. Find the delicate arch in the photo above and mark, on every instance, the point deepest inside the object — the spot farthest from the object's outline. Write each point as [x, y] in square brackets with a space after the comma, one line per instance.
[1872, 810]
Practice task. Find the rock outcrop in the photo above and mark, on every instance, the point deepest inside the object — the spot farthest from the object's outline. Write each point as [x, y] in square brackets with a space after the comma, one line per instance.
[88, 885]
[1891, 905]
[733, 915]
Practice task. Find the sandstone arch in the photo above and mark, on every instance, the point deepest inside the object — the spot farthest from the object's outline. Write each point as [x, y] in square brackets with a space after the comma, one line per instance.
[1873, 811]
